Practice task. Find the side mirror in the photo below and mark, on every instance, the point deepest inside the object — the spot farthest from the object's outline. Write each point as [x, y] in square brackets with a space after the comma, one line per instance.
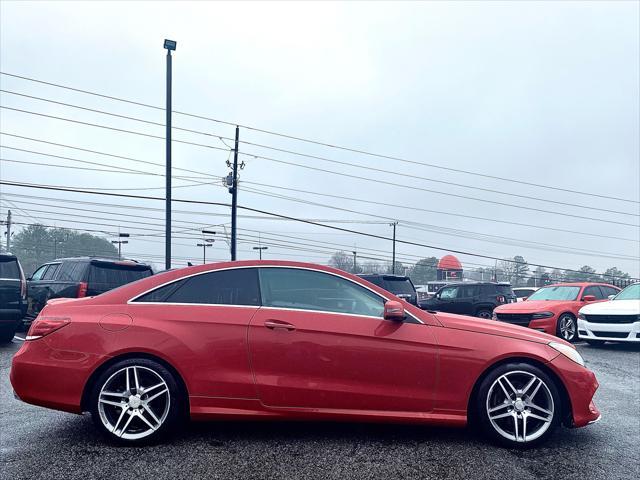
[611, 297]
[394, 311]
[524, 298]
[589, 298]
[28, 279]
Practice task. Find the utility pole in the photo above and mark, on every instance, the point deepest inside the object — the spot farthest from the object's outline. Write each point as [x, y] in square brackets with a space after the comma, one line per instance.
[9, 231]
[120, 243]
[393, 258]
[234, 196]
[169, 45]
[355, 254]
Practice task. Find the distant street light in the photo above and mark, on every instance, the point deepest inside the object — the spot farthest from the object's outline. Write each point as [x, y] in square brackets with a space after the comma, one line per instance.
[260, 249]
[169, 45]
[355, 254]
[204, 249]
[120, 243]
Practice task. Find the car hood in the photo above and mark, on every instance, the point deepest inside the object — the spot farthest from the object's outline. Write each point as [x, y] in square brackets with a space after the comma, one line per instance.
[530, 306]
[493, 327]
[612, 307]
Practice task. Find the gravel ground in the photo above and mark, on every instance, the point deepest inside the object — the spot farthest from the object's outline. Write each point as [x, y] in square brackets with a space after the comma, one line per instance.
[38, 443]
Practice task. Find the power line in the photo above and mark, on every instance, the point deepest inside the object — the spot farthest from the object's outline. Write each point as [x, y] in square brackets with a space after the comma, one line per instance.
[324, 144]
[341, 174]
[203, 175]
[265, 212]
[316, 157]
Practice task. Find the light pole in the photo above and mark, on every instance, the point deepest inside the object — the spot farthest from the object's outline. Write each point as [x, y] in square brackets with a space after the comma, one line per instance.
[204, 250]
[355, 254]
[393, 258]
[120, 243]
[260, 249]
[169, 45]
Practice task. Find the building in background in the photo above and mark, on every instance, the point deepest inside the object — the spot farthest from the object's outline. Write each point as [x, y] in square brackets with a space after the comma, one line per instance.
[449, 269]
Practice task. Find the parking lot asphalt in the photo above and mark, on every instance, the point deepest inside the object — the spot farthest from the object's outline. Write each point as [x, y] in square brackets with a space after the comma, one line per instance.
[36, 443]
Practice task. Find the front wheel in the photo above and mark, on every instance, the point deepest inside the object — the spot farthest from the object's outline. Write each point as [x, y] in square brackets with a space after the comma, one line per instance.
[567, 327]
[136, 401]
[518, 405]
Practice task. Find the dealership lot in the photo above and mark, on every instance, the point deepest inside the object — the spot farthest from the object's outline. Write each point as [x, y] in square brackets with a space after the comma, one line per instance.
[40, 443]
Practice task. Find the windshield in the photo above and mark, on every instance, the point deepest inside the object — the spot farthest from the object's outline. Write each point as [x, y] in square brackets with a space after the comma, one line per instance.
[556, 293]
[632, 292]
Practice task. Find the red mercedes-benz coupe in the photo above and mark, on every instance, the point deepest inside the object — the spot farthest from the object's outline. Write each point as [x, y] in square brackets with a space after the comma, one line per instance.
[286, 340]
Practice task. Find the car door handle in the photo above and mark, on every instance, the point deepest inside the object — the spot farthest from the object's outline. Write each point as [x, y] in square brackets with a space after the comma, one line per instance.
[276, 324]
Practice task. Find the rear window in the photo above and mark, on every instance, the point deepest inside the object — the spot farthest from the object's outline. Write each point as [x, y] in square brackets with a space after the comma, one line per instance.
[399, 285]
[109, 276]
[504, 289]
[9, 268]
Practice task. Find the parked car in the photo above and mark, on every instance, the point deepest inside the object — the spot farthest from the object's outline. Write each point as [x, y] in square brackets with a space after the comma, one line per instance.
[399, 285]
[554, 309]
[522, 293]
[13, 289]
[477, 299]
[617, 320]
[79, 277]
[288, 340]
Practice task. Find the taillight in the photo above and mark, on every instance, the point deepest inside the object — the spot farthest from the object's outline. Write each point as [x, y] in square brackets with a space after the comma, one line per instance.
[23, 288]
[501, 299]
[43, 326]
[82, 289]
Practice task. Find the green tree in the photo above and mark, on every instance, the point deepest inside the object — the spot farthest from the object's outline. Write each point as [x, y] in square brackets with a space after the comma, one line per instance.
[613, 273]
[520, 270]
[585, 274]
[425, 270]
[37, 244]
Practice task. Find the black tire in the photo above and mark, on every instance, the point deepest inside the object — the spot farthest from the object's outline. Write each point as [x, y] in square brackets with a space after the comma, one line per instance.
[567, 327]
[149, 375]
[484, 313]
[7, 333]
[595, 343]
[545, 396]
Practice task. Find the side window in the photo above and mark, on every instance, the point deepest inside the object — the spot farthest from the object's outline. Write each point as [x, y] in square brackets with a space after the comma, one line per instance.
[449, 293]
[70, 271]
[608, 291]
[51, 271]
[593, 290]
[37, 275]
[226, 287]
[468, 291]
[312, 290]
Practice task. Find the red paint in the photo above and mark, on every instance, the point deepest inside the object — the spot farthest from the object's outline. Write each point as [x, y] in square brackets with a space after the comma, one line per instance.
[258, 362]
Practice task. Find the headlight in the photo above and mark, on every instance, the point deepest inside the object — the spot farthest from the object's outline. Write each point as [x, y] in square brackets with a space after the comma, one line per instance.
[581, 316]
[538, 315]
[569, 352]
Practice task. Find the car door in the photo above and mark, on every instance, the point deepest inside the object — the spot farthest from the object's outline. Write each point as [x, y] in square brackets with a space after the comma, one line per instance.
[208, 315]
[41, 287]
[320, 341]
[467, 296]
[444, 300]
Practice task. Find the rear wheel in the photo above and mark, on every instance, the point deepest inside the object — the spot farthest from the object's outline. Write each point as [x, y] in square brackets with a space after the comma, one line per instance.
[567, 327]
[136, 401]
[484, 313]
[518, 405]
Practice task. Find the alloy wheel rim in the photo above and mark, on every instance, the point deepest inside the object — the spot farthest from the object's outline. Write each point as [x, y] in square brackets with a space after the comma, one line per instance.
[134, 402]
[484, 314]
[520, 406]
[567, 327]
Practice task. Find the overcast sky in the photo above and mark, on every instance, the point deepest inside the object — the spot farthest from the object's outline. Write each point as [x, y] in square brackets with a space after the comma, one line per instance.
[546, 93]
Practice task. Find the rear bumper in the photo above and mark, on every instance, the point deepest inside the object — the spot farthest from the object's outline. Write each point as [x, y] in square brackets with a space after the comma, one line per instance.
[51, 378]
[614, 332]
[580, 384]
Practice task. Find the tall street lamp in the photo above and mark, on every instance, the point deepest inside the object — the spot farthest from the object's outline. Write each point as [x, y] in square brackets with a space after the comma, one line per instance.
[260, 249]
[204, 249]
[120, 243]
[169, 45]
[355, 254]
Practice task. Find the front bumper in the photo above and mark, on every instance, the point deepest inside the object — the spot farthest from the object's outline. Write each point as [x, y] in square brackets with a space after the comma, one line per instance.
[580, 384]
[613, 332]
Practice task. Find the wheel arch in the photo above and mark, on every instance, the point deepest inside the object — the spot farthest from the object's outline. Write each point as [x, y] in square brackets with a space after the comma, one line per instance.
[566, 416]
[88, 387]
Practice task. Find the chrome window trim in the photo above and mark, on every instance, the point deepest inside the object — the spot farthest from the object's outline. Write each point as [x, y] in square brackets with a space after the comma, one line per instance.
[133, 299]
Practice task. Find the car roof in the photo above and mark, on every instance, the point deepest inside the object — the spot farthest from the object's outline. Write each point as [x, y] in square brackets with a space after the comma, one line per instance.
[7, 255]
[578, 284]
[383, 275]
[124, 261]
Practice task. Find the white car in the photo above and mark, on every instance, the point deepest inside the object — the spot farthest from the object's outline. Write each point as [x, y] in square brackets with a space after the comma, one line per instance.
[617, 320]
[522, 293]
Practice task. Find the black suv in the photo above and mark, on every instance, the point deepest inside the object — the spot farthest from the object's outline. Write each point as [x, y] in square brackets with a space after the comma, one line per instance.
[79, 277]
[471, 298]
[398, 285]
[13, 302]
